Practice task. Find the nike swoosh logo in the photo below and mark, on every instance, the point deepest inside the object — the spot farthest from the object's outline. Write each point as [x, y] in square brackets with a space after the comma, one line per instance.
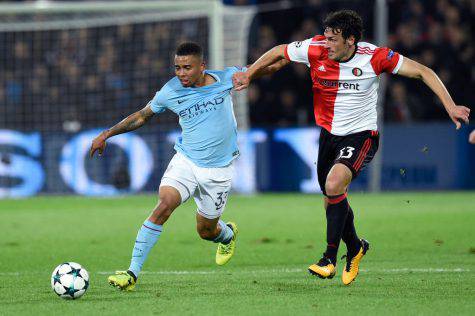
[181, 101]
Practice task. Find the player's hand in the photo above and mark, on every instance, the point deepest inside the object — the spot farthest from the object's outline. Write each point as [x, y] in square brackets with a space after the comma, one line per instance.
[471, 137]
[459, 114]
[241, 81]
[98, 144]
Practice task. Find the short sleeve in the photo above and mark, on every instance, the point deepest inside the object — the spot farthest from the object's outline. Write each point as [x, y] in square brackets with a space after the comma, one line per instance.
[298, 51]
[386, 60]
[157, 104]
[232, 70]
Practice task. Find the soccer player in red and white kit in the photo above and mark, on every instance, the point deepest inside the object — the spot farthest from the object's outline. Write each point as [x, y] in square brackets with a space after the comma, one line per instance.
[345, 76]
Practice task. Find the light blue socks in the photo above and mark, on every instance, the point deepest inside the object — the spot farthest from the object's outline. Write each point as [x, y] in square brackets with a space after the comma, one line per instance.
[226, 233]
[146, 239]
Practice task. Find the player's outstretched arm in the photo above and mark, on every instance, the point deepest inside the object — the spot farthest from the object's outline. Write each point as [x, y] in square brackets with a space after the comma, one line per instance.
[413, 69]
[130, 123]
[241, 80]
[271, 69]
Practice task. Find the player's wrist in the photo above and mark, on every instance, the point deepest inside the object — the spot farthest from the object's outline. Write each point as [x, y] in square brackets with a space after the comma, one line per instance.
[250, 73]
[451, 109]
[105, 135]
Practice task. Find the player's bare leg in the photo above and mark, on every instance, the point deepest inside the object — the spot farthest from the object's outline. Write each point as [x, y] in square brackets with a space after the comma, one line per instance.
[222, 233]
[170, 199]
[208, 229]
[147, 236]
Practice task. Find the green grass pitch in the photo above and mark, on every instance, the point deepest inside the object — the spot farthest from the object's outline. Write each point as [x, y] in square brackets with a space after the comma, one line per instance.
[421, 260]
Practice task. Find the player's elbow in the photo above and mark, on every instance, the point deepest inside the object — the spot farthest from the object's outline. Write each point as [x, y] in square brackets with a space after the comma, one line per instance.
[277, 66]
[137, 123]
[424, 72]
[279, 51]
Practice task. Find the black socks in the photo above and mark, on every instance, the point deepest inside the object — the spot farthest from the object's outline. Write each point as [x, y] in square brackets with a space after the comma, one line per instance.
[349, 234]
[337, 212]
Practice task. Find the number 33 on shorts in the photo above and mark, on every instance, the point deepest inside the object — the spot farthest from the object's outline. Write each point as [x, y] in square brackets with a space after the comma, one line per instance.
[346, 152]
[221, 200]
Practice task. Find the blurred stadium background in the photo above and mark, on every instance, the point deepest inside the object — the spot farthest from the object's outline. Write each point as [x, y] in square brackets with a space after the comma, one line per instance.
[71, 68]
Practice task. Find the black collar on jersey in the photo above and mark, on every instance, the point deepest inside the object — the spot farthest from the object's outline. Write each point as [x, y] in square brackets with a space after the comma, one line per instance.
[352, 55]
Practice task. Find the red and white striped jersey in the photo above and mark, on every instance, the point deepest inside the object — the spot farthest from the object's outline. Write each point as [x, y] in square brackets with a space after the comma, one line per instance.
[345, 93]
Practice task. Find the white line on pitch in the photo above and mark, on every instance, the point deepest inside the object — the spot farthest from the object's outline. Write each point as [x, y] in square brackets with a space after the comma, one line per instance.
[299, 270]
[215, 272]
[424, 270]
[290, 270]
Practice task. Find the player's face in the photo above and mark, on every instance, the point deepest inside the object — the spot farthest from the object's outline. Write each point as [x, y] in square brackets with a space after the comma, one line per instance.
[189, 69]
[338, 47]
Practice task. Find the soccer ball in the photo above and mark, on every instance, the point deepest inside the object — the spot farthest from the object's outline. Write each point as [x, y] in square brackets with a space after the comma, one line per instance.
[70, 280]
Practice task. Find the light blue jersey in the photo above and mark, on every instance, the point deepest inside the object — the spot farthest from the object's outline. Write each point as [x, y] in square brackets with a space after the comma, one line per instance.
[209, 129]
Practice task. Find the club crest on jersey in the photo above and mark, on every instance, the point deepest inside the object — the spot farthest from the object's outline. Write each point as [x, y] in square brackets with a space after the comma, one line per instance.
[390, 55]
[357, 72]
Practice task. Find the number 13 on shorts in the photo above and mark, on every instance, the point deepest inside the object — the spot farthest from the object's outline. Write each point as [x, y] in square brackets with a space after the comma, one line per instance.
[346, 152]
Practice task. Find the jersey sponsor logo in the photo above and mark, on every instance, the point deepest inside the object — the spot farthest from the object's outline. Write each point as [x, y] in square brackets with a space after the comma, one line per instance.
[200, 108]
[339, 84]
[357, 72]
[321, 68]
[298, 44]
[390, 55]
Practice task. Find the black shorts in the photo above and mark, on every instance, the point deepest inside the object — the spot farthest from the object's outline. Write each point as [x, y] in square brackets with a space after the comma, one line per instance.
[354, 151]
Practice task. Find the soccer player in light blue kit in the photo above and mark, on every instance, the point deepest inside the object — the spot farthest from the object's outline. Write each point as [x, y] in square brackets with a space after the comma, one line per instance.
[203, 164]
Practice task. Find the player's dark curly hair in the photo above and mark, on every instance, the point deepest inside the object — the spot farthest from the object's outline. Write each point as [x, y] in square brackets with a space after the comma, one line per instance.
[189, 48]
[348, 22]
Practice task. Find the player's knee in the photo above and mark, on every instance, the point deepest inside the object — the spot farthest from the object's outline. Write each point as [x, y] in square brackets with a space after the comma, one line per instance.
[164, 209]
[334, 186]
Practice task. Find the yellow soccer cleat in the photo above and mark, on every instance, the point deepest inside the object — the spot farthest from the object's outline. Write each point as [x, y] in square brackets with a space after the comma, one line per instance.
[324, 269]
[352, 264]
[225, 252]
[122, 280]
